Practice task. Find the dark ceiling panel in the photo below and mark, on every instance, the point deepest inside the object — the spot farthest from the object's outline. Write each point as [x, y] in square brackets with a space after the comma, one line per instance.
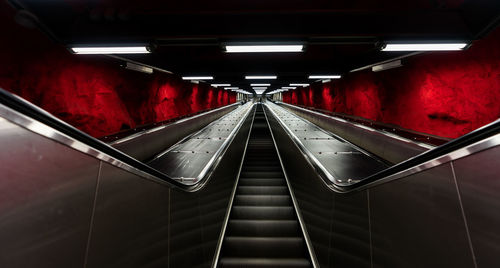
[188, 36]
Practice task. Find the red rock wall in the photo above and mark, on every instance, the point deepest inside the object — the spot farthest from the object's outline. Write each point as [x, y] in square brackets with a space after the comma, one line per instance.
[443, 93]
[93, 93]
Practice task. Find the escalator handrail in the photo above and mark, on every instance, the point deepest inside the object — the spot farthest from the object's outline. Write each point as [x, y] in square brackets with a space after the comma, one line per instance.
[100, 149]
[470, 143]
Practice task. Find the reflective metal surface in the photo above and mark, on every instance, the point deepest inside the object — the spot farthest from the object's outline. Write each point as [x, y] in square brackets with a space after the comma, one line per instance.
[478, 181]
[412, 222]
[386, 145]
[337, 224]
[197, 218]
[189, 160]
[337, 160]
[46, 196]
[130, 226]
[146, 144]
[417, 222]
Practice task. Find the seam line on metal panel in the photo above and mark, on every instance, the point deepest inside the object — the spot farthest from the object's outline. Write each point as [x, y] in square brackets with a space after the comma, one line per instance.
[463, 215]
[94, 205]
[168, 226]
[370, 226]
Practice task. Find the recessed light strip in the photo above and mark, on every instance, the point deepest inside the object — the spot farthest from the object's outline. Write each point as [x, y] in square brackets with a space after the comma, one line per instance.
[220, 85]
[260, 85]
[110, 50]
[197, 78]
[264, 48]
[425, 47]
[299, 85]
[324, 76]
[257, 77]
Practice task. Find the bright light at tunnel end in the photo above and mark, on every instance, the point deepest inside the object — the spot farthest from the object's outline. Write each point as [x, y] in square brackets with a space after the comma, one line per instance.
[263, 48]
[111, 50]
[425, 47]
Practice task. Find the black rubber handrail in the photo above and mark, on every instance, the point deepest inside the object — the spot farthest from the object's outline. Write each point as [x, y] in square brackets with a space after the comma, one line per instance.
[28, 109]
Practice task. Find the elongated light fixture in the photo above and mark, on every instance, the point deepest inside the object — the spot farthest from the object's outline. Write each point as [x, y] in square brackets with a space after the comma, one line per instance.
[263, 48]
[220, 85]
[264, 88]
[231, 88]
[257, 77]
[289, 87]
[110, 50]
[260, 85]
[425, 47]
[259, 91]
[197, 77]
[299, 85]
[328, 76]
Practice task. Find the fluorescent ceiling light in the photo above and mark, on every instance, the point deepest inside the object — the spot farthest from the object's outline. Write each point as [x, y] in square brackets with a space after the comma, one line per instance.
[327, 76]
[197, 77]
[260, 85]
[259, 91]
[299, 85]
[326, 81]
[110, 50]
[425, 47]
[289, 87]
[231, 88]
[387, 66]
[220, 85]
[264, 48]
[138, 67]
[251, 77]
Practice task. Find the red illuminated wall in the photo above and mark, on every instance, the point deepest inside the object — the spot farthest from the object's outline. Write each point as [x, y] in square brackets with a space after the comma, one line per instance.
[443, 93]
[93, 93]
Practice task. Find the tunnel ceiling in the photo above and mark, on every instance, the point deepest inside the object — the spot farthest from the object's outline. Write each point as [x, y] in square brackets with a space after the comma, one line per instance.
[187, 37]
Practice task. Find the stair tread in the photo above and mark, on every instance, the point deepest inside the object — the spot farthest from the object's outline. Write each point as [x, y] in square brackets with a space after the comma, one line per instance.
[260, 262]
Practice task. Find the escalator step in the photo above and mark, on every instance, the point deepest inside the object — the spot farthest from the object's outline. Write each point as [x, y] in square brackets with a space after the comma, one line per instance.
[264, 262]
[270, 247]
[263, 228]
[264, 174]
[262, 213]
[262, 168]
[262, 200]
[263, 190]
[261, 182]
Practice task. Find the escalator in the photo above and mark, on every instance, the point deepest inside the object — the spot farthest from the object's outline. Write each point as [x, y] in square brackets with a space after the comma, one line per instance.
[263, 228]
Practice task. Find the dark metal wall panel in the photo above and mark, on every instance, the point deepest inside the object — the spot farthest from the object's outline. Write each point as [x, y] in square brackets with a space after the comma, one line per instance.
[46, 196]
[417, 222]
[350, 236]
[479, 184]
[130, 223]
